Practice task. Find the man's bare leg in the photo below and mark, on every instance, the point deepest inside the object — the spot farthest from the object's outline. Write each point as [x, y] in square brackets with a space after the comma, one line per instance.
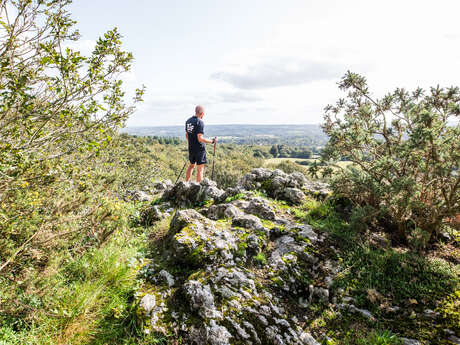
[199, 172]
[188, 174]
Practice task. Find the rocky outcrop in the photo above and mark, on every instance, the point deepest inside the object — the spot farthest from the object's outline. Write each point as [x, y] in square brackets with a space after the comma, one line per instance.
[150, 215]
[223, 211]
[185, 194]
[196, 240]
[290, 187]
[138, 195]
[215, 295]
[261, 208]
[161, 186]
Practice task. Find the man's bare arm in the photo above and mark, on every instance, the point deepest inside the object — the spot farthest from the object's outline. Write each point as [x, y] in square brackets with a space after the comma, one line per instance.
[202, 139]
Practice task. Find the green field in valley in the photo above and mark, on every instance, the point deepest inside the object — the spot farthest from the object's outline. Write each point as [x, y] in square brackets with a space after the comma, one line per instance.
[269, 161]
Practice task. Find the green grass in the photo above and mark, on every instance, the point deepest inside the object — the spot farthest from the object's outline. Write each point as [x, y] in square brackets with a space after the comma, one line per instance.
[268, 223]
[399, 277]
[377, 338]
[81, 298]
[237, 196]
[260, 258]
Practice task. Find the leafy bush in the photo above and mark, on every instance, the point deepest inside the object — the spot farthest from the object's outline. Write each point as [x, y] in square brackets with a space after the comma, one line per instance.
[405, 150]
[231, 164]
[58, 110]
[55, 100]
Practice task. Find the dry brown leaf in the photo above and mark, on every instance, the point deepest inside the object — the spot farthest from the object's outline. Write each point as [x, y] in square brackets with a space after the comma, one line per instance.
[374, 296]
[413, 301]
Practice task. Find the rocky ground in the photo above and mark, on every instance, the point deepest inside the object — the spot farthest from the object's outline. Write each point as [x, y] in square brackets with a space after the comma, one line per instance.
[235, 267]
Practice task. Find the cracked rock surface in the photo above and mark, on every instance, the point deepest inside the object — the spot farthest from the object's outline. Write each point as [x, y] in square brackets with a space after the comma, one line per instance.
[230, 272]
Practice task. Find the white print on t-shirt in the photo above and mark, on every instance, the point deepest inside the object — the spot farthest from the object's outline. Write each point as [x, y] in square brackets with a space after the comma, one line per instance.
[190, 128]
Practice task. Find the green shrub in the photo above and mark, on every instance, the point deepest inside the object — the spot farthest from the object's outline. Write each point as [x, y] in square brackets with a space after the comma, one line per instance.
[260, 258]
[380, 338]
[405, 150]
[231, 165]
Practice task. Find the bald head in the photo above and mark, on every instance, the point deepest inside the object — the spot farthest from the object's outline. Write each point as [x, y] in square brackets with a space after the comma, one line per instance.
[199, 111]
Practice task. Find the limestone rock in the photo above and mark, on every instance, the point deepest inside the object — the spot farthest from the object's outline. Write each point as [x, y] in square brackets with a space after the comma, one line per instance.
[161, 186]
[166, 277]
[201, 299]
[284, 245]
[294, 195]
[241, 204]
[216, 295]
[248, 222]
[300, 178]
[351, 308]
[305, 231]
[307, 339]
[196, 239]
[217, 335]
[147, 303]
[319, 189]
[138, 195]
[322, 294]
[209, 190]
[150, 215]
[261, 208]
[281, 185]
[407, 341]
[223, 211]
[248, 181]
[193, 193]
[185, 217]
[196, 244]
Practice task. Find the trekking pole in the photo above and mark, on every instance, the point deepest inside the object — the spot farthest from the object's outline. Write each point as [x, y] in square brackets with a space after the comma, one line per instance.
[180, 174]
[214, 158]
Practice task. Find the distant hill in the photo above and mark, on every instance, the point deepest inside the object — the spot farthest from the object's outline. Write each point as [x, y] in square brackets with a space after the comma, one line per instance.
[310, 135]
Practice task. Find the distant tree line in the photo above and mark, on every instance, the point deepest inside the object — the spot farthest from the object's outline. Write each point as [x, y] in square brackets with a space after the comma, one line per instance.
[258, 151]
[165, 140]
[285, 151]
[285, 140]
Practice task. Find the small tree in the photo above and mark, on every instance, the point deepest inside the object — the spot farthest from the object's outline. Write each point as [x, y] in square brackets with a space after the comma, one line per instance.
[54, 100]
[274, 151]
[405, 150]
[57, 109]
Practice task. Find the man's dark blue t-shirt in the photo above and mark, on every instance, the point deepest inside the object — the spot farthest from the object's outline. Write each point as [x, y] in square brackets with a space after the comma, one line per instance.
[193, 127]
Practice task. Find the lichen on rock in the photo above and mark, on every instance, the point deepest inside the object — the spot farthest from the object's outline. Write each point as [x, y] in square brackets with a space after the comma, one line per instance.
[290, 187]
[225, 272]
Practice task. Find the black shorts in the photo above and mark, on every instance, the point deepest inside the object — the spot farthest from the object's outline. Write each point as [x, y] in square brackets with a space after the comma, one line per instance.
[197, 157]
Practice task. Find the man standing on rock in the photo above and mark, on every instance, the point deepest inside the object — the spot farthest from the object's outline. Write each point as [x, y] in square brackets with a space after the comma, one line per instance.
[194, 133]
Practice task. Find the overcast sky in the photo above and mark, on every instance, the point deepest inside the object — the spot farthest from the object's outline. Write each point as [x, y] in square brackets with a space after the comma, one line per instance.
[272, 61]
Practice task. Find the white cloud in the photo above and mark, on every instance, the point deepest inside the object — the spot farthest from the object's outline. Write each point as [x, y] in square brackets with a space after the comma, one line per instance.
[236, 97]
[279, 72]
[291, 74]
